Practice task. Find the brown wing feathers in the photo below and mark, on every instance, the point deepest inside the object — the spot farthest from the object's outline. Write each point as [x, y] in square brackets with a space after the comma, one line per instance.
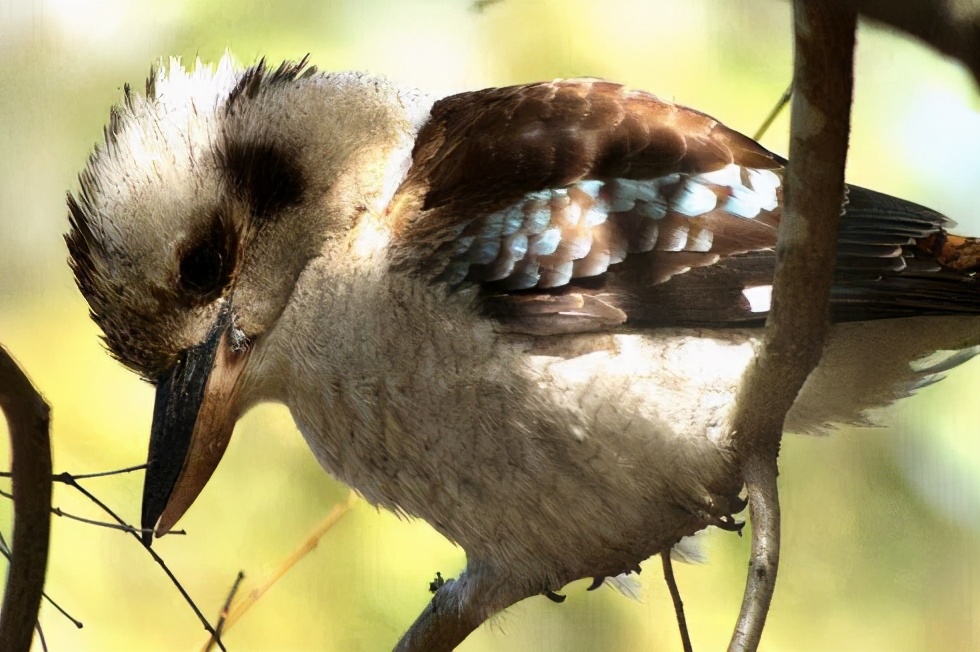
[571, 203]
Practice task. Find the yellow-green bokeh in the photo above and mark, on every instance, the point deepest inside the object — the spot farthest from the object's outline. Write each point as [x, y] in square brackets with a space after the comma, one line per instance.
[882, 535]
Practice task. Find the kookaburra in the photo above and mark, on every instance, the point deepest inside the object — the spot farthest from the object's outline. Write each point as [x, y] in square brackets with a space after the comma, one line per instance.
[521, 314]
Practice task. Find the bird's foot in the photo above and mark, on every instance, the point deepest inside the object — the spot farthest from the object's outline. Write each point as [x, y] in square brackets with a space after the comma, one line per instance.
[437, 583]
[729, 523]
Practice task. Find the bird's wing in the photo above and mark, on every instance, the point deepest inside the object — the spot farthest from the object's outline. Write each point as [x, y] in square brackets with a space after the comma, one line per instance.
[577, 205]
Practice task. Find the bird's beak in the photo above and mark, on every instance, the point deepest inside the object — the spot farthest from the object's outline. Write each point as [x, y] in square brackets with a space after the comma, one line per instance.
[194, 414]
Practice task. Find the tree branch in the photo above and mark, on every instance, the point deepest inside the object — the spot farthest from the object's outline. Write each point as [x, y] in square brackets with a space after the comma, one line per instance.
[950, 26]
[798, 321]
[28, 418]
[442, 625]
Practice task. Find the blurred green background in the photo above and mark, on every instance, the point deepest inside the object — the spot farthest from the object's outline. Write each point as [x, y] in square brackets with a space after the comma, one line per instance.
[882, 527]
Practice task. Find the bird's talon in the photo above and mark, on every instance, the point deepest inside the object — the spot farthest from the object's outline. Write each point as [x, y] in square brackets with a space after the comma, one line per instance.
[596, 582]
[740, 504]
[554, 597]
[730, 524]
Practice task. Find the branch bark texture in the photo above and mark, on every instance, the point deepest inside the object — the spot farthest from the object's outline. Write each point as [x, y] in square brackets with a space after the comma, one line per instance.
[799, 319]
[27, 417]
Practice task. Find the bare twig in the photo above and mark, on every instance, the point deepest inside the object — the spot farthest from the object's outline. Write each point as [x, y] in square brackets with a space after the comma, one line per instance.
[798, 322]
[57, 511]
[69, 480]
[332, 518]
[675, 596]
[223, 616]
[774, 113]
[60, 477]
[5, 551]
[40, 637]
[28, 418]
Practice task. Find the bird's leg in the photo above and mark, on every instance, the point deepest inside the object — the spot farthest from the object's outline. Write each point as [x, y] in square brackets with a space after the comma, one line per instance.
[460, 606]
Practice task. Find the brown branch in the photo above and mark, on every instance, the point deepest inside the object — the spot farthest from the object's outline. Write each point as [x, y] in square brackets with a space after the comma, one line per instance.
[443, 624]
[798, 321]
[28, 418]
[675, 596]
[5, 551]
[950, 26]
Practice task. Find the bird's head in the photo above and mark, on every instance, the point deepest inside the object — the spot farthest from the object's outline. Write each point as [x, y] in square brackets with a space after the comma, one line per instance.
[196, 218]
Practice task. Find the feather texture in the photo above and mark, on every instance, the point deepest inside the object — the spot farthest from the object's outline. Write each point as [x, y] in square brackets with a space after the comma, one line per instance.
[583, 188]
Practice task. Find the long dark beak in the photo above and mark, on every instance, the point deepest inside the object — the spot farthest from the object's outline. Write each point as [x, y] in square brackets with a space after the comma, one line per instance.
[193, 416]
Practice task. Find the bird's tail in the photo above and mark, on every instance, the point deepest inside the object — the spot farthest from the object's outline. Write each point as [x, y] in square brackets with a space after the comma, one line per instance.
[896, 259]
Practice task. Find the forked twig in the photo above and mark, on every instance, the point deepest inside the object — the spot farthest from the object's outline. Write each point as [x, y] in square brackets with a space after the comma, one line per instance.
[57, 511]
[805, 255]
[69, 480]
[331, 519]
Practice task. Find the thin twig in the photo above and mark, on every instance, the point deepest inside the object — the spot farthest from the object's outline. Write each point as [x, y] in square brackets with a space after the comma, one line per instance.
[102, 474]
[60, 477]
[159, 560]
[774, 113]
[805, 255]
[5, 551]
[40, 636]
[57, 511]
[675, 595]
[223, 616]
[332, 518]
[28, 419]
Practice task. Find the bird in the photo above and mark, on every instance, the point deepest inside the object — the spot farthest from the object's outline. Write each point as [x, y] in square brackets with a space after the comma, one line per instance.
[521, 314]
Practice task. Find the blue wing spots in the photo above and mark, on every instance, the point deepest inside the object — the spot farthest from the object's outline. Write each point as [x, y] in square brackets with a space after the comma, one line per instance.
[538, 218]
[513, 220]
[484, 252]
[553, 236]
[693, 198]
[493, 226]
[652, 210]
[525, 275]
[516, 245]
[743, 202]
[764, 183]
[461, 245]
[546, 243]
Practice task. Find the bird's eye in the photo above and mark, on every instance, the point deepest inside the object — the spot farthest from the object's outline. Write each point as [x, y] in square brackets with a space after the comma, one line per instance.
[208, 263]
[200, 270]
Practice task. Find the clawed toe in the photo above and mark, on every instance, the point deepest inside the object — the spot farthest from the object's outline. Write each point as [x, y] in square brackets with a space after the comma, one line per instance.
[730, 524]
[554, 597]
